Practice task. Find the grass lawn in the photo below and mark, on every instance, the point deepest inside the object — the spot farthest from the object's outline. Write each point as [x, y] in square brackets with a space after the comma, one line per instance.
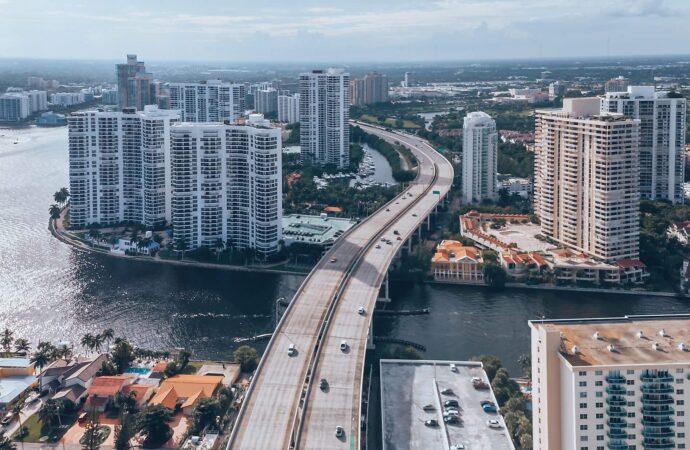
[390, 121]
[36, 428]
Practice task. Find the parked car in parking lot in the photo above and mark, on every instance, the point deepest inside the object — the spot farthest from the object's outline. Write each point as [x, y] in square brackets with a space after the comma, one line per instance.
[488, 406]
[493, 423]
[7, 419]
[451, 404]
[431, 423]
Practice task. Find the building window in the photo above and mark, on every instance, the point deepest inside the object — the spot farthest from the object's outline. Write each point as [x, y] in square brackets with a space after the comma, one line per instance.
[582, 373]
[598, 416]
[630, 372]
[680, 370]
[583, 405]
[599, 383]
[584, 438]
[630, 382]
[583, 394]
[599, 394]
[583, 416]
[680, 413]
[681, 435]
[598, 373]
[583, 383]
[600, 426]
[583, 427]
[680, 391]
[680, 402]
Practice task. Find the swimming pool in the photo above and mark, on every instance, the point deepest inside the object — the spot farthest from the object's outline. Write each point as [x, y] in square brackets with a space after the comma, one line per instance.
[141, 371]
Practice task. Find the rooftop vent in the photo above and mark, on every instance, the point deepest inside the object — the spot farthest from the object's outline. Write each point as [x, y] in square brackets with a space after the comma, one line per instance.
[575, 349]
[682, 347]
[611, 348]
[663, 333]
[596, 336]
[655, 347]
[640, 334]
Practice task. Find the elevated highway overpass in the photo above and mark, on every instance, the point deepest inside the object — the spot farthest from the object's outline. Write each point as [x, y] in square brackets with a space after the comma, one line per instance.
[284, 407]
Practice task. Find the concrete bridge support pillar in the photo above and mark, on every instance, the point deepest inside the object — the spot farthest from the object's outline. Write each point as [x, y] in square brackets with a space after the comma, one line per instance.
[428, 222]
[386, 293]
[370, 341]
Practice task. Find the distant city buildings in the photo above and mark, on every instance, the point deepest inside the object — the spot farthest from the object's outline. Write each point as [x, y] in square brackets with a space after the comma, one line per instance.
[135, 86]
[18, 105]
[210, 101]
[266, 101]
[288, 108]
[375, 88]
[67, 98]
[557, 89]
[42, 85]
[409, 79]
[226, 186]
[619, 84]
[120, 167]
[479, 158]
[357, 92]
[662, 138]
[586, 191]
[611, 383]
[324, 115]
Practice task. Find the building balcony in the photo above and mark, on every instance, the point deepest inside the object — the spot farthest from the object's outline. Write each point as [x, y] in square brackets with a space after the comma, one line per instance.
[661, 389]
[657, 401]
[663, 444]
[617, 423]
[656, 432]
[618, 445]
[616, 401]
[615, 379]
[617, 434]
[656, 378]
[616, 389]
[657, 411]
[617, 412]
[657, 422]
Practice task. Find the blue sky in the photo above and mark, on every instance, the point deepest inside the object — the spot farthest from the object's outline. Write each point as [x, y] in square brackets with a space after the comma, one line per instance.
[343, 31]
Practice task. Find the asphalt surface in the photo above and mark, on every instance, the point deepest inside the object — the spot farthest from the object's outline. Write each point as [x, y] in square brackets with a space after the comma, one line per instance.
[281, 407]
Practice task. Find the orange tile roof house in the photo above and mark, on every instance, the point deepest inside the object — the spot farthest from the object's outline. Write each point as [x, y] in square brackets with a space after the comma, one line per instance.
[186, 390]
[457, 263]
[142, 392]
[103, 390]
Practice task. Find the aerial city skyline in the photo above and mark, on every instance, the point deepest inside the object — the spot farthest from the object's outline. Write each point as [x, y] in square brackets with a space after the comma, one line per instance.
[422, 224]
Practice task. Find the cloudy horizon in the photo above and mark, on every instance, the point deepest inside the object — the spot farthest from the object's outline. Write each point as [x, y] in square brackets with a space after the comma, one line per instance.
[354, 31]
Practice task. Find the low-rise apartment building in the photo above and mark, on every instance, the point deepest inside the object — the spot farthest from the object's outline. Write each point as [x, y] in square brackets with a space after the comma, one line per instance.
[454, 262]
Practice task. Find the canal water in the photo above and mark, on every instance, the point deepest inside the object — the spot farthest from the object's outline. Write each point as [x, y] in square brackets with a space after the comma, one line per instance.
[48, 290]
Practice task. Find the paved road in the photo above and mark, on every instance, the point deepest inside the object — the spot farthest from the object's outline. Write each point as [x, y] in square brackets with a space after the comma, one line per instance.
[276, 397]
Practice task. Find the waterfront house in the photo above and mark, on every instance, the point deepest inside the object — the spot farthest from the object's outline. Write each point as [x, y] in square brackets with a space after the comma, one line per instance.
[454, 262]
[79, 371]
[184, 391]
[103, 390]
[521, 266]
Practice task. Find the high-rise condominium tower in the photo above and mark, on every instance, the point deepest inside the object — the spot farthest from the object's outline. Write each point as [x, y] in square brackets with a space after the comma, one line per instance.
[479, 157]
[288, 108]
[618, 84]
[226, 186]
[134, 85]
[119, 166]
[212, 101]
[266, 101]
[586, 184]
[662, 138]
[375, 88]
[611, 383]
[324, 114]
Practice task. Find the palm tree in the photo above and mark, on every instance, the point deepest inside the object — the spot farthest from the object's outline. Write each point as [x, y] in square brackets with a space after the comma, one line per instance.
[63, 352]
[108, 334]
[17, 411]
[87, 341]
[182, 246]
[40, 360]
[6, 340]
[54, 212]
[49, 412]
[21, 345]
[6, 443]
[64, 193]
[98, 342]
[220, 247]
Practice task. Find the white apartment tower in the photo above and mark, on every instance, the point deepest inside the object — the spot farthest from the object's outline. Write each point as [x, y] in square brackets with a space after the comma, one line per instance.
[324, 113]
[266, 101]
[611, 384]
[119, 166]
[586, 185]
[288, 108]
[662, 138]
[211, 101]
[226, 186]
[479, 157]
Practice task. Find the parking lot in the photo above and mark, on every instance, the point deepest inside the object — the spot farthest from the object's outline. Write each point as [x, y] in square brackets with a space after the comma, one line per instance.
[407, 387]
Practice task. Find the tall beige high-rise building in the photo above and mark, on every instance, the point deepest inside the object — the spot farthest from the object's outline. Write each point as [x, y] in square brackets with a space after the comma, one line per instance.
[586, 182]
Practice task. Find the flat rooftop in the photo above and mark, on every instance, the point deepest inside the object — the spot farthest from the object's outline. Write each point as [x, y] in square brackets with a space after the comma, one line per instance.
[314, 229]
[634, 339]
[522, 234]
[407, 386]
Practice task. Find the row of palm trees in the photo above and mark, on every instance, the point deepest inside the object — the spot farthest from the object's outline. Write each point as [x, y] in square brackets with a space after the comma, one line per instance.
[94, 342]
[61, 197]
[8, 341]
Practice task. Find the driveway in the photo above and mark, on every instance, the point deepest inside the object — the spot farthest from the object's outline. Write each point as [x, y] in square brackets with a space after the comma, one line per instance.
[28, 411]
